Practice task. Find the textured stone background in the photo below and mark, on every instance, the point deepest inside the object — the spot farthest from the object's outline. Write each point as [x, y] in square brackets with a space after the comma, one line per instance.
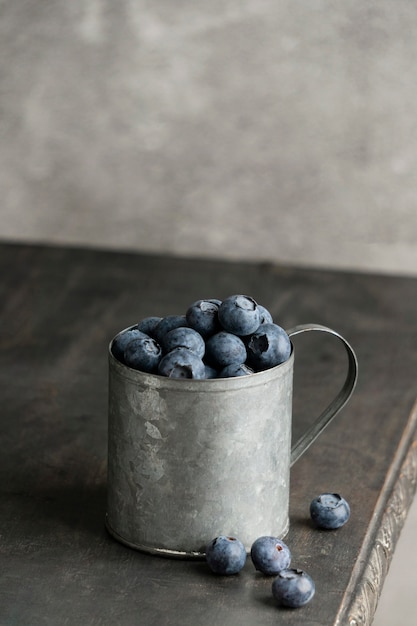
[258, 129]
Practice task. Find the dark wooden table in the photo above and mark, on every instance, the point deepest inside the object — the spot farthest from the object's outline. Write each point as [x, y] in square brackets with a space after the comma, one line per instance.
[60, 307]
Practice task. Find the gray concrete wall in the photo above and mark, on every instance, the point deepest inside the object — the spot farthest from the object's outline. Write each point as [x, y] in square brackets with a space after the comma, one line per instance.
[257, 129]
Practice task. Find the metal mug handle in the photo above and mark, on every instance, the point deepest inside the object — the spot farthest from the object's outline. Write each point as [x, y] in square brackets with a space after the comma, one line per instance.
[337, 403]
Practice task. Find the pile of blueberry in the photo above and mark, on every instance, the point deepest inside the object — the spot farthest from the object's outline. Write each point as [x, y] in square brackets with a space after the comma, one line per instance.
[213, 339]
[291, 587]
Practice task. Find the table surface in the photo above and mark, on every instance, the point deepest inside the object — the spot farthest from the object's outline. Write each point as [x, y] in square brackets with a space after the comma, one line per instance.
[60, 308]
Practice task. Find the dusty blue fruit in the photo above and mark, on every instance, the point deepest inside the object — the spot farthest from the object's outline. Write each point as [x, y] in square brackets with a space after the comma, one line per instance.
[121, 341]
[268, 346]
[239, 315]
[270, 555]
[266, 317]
[184, 338]
[225, 555]
[211, 372]
[235, 369]
[148, 324]
[143, 354]
[202, 316]
[223, 349]
[182, 363]
[168, 323]
[293, 588]
[329, 511]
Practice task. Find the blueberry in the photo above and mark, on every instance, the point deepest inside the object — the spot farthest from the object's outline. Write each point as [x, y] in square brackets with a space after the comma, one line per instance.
[270, 555]
[184, 338]
[329, 511]
[143, 354]
[235, 369]
[211, 372]
[148, 324]
[293, 588]
[224, 349]
[202, 316]
[239, 315]
[225, 555]
[268, 346]
[168, 323]
[182, 363]
[121, 341]
[266, 317]
[215, 301]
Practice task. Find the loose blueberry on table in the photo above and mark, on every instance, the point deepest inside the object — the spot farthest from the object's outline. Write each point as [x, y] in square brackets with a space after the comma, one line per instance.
[225, 555]
[270, 555]
[293, 588]
[329, 511]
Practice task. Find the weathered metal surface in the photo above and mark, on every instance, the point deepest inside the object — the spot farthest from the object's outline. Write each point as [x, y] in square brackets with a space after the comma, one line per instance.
[190, 460]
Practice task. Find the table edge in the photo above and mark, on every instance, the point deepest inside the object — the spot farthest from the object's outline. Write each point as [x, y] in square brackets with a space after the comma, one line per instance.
[365, 587]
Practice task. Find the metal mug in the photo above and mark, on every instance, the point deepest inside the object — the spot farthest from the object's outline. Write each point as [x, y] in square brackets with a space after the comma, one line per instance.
[189, 460]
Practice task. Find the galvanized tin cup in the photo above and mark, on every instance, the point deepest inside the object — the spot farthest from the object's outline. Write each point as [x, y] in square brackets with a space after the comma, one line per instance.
[192, 459]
